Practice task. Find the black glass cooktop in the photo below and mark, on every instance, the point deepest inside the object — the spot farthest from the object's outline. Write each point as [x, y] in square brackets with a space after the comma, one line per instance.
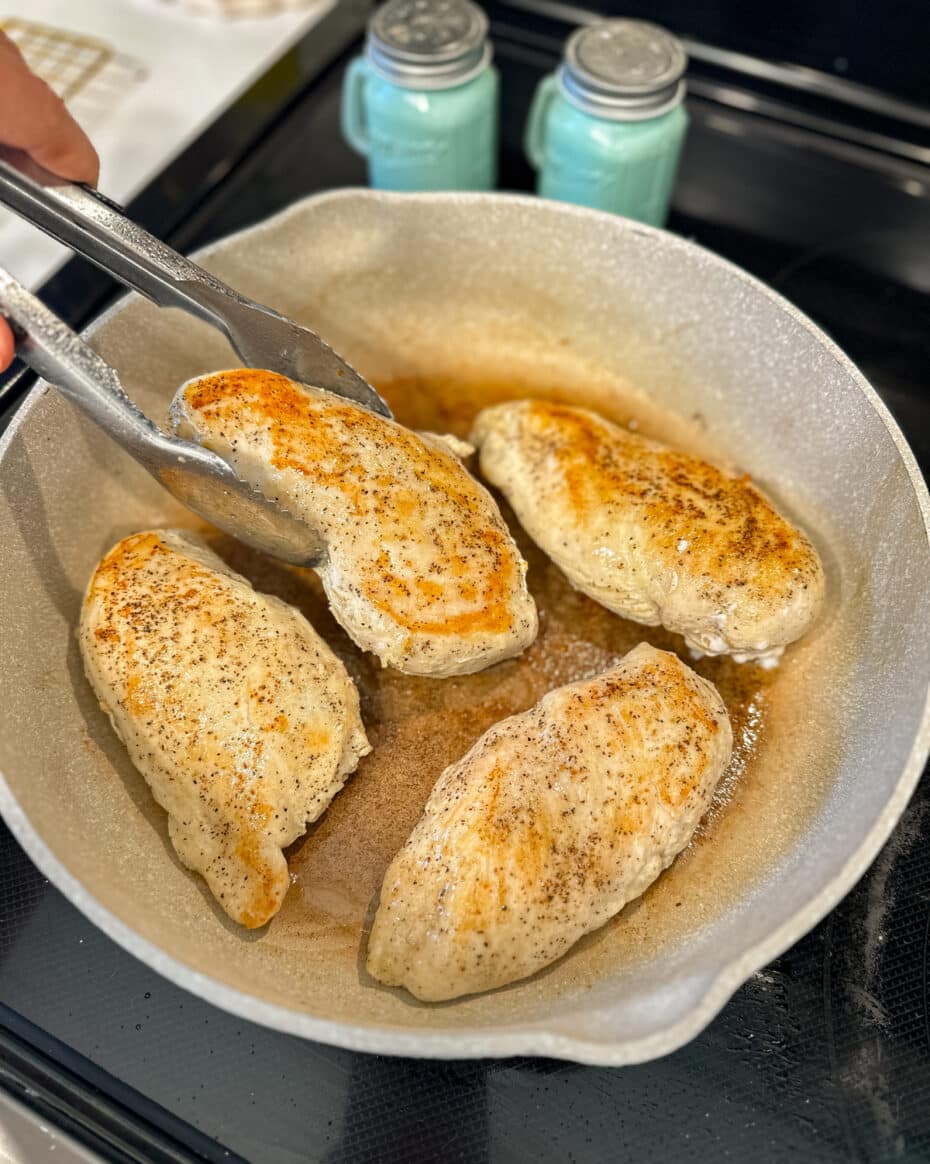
[822, 1056]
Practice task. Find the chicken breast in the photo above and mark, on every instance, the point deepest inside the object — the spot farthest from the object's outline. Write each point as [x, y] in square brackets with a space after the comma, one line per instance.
[552, 822]
[242, 721]
[653, 534]
[420, 568]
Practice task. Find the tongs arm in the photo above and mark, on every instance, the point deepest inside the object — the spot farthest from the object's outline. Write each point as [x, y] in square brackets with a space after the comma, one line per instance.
[95, 227]
[196, 476]
[52, 349]
[92, 225]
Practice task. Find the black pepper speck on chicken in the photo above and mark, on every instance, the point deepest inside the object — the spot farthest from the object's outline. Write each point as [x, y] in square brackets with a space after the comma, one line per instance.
[420, 567]
[552, 822]
[243, 722]
[654, 534]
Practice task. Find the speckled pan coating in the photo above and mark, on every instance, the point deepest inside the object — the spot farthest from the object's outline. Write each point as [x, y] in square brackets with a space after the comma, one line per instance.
[450, 283]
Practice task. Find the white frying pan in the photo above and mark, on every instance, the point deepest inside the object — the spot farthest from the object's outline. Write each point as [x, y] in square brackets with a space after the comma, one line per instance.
[456, 291]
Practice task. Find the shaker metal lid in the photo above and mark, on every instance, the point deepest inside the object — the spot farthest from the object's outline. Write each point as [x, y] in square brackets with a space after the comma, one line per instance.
[626, 70]
[428, 44]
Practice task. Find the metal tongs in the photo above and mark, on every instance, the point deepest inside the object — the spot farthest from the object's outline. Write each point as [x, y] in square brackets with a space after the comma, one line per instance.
[94, 227]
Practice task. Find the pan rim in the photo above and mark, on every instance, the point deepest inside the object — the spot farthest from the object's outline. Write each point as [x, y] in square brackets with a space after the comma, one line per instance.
[520, 1039]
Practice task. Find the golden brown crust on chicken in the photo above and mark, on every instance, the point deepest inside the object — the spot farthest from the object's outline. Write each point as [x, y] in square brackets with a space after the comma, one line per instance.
[420, 567]
[652, 533]
[240, 718]
[552, 822]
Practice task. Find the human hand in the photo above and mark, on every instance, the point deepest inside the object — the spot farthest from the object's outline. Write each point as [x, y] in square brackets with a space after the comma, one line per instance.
[34, 119]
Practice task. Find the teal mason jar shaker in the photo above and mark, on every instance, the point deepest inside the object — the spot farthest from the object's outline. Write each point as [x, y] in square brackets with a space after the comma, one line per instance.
[421, 104]
[607, 129]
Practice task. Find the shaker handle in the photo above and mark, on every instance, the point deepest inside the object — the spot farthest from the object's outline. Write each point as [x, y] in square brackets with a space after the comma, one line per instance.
[354, 121]
[534, 141]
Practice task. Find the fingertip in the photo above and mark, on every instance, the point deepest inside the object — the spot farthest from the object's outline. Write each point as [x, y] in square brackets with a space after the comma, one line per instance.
[34, 118]
[72, 158]
[93, 167]
[7, 346]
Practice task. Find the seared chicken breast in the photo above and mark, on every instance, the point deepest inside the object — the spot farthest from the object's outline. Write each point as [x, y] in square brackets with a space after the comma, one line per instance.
[552, 822]
[653, 534]
[419, 568]
[242, 721]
